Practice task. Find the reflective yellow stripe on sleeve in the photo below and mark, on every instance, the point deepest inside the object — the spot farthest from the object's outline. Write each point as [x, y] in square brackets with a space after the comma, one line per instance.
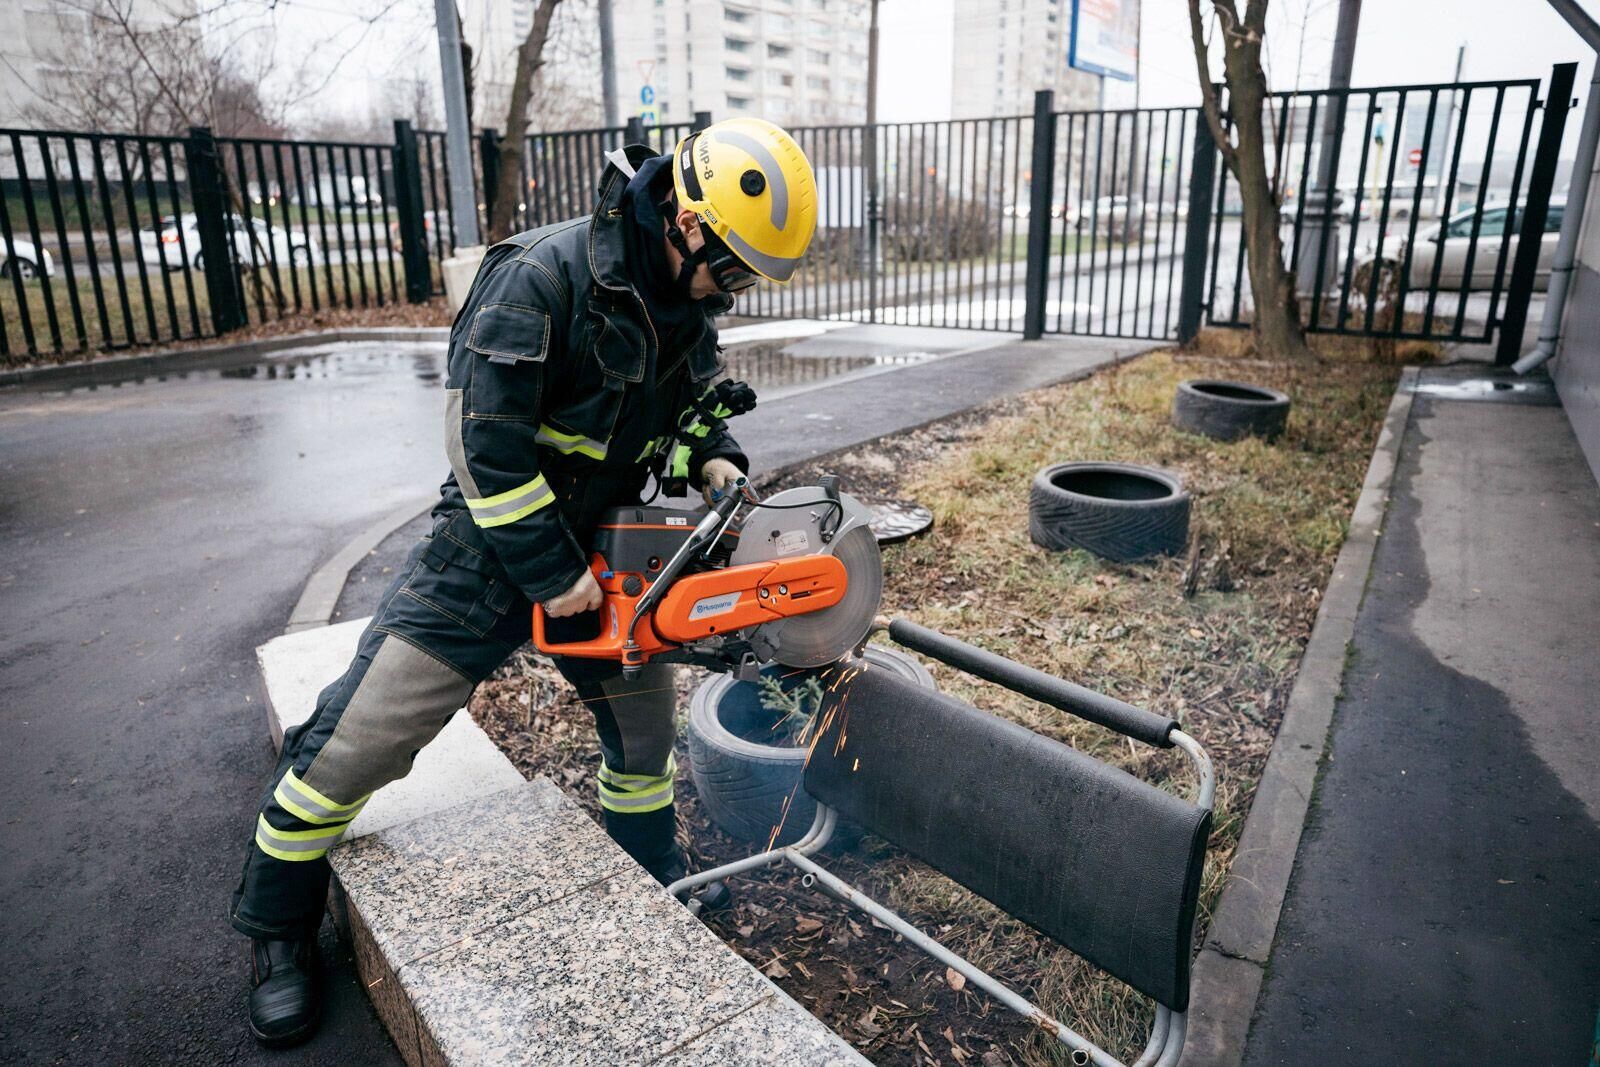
[503, 508]
[568, 443]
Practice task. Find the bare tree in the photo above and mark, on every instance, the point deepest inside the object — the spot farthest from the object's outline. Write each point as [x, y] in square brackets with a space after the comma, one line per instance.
[1276, 324]
[508, 187]
[138, 68]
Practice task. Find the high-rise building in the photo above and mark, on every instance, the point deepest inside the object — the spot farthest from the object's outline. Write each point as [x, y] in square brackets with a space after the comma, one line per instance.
[566, 92]
[1006, 50]
[45, 47]
[794, 62]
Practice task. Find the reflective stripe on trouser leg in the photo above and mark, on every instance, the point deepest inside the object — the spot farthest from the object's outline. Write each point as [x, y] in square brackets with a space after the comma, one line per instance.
[393, 699]
[629, 794]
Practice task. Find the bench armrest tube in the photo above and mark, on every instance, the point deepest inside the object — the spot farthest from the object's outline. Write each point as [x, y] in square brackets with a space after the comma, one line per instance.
[1098, 708]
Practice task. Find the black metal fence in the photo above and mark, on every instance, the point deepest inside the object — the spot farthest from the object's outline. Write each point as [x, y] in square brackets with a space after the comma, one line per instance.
[1431, 182]
[1102, 223]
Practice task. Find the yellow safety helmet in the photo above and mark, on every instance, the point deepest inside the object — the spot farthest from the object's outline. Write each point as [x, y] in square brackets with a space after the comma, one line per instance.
[752, 188]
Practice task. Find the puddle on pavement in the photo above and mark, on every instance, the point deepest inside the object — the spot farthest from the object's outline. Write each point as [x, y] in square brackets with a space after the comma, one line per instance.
[347, 360]
[763, 364]
[766, 366]
[1491, 389]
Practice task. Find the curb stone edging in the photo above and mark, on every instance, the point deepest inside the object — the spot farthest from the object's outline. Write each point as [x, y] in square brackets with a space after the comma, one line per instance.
[165, 361]
[326, 585]
[1231, 965]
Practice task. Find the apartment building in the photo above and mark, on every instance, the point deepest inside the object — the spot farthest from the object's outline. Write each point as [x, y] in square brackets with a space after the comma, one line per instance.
[795, 62]
[1006, 50]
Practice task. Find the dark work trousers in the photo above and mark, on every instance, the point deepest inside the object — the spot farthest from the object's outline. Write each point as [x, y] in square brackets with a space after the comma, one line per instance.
[448, 620]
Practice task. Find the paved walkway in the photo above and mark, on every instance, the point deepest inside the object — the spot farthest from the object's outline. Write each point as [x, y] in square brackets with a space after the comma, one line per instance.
[1445, 906]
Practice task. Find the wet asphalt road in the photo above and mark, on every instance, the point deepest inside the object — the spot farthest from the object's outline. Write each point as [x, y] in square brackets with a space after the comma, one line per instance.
[153, 535]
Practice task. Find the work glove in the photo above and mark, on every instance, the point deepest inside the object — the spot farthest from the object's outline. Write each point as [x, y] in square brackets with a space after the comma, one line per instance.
[717, 475]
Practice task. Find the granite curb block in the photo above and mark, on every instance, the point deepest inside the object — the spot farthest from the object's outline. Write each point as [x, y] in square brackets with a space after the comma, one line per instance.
[167, 361]
[1232, 962]
[494, 923]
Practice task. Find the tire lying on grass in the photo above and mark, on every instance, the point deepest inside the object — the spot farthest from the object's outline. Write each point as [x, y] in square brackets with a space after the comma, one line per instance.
[1229, 411]
[743, 781]
[1118, 511]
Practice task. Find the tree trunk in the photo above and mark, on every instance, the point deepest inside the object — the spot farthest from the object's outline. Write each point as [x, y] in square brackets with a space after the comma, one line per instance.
[509, 189]
[1276, 324]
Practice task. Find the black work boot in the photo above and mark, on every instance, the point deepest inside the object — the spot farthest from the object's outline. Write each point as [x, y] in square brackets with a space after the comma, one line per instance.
[649, 838]
[286, 998]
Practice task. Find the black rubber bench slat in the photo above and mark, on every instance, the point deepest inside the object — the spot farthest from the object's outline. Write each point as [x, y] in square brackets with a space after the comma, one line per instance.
[1087, 854]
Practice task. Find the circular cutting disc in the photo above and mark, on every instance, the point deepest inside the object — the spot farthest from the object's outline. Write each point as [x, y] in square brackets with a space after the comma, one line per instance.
[822, 637]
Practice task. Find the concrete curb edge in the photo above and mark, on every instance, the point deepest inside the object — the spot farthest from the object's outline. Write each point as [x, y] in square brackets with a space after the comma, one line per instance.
[1232, 963]
[322, 590]
[147, 364]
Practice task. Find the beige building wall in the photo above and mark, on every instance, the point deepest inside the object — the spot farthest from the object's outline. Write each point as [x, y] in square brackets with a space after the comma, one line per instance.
[1006, 50]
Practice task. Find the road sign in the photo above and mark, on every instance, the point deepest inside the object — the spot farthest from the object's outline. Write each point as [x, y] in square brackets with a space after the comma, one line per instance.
[646, 67]
[1414, 157]
[647, 94]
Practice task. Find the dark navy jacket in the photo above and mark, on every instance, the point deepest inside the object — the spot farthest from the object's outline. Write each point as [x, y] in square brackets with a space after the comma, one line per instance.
[561, 396]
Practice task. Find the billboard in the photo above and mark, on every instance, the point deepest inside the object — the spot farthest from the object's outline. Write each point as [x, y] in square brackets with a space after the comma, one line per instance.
[1105, 38]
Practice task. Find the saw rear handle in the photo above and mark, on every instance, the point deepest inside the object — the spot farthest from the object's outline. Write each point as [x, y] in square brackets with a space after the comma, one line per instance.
[652, 608]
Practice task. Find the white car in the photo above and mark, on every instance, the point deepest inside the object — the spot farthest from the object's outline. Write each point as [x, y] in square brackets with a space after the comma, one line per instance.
[24, 259]
[1450, 243]
[1116, 216]
[163, 247]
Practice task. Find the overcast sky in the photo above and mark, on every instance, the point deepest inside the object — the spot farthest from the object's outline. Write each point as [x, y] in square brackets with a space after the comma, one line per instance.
[1401, 41]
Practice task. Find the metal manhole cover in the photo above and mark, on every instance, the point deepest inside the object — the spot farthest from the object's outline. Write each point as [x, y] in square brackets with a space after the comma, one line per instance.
[898, 520]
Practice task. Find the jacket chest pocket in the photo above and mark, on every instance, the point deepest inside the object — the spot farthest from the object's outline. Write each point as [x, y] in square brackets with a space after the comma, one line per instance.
[616, 342]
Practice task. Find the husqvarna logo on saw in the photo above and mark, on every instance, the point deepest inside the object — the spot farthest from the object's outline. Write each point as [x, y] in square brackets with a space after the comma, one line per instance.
[714, 605]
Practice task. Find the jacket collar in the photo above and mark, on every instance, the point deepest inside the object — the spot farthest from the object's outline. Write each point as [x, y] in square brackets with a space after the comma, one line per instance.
[608, 257]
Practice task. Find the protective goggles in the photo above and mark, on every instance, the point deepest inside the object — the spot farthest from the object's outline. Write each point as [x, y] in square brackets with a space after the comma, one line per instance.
[727, 270]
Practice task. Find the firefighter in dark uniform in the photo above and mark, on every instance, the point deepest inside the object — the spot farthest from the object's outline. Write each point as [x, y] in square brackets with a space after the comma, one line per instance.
[584, 360]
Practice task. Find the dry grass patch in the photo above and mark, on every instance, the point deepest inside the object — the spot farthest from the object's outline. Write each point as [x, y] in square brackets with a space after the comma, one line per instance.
[1268, 523]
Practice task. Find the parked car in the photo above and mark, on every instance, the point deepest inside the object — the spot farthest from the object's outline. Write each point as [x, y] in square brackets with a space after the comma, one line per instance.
[1450, 243]
[1117, 217]
[163, 247]
[24, 259]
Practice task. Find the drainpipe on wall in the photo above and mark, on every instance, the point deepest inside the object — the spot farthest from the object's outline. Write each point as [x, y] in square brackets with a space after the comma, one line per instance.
[1577, 195]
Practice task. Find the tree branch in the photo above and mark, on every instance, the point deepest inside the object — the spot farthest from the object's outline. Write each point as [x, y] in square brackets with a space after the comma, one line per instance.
[1210, 106]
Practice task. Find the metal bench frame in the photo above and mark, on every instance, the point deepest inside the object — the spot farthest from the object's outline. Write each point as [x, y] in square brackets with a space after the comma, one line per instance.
[1169, 1029]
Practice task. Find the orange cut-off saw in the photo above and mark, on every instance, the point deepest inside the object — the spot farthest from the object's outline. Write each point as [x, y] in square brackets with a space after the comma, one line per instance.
[795, 579]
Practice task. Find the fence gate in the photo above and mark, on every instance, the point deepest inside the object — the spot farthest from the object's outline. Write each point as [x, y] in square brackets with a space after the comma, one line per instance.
[1445, 221]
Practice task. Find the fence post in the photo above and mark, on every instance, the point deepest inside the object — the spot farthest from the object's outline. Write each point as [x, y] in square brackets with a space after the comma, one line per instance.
[224, 290]
[634, 134]
[408, 203]
[1530, 236]
[1197, 232]
[702, 119]
[489, 160]
[1042, 176]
